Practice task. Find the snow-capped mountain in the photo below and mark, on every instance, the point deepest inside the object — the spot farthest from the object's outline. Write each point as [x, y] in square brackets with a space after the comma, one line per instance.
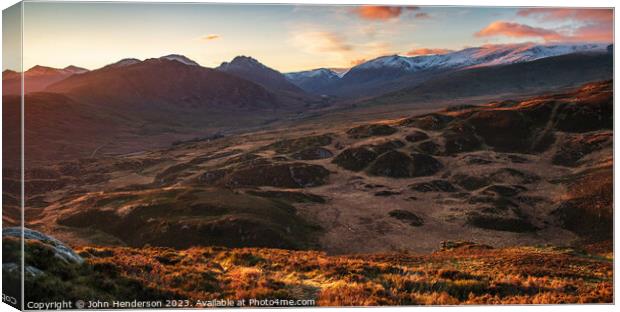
[319, 72]
[390, 73]
[172, 57]
[314, 80]
[180, 58]
[125, 62]
[488, 55]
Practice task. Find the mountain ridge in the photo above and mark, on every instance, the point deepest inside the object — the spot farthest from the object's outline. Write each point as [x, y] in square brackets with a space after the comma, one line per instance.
[390, 73]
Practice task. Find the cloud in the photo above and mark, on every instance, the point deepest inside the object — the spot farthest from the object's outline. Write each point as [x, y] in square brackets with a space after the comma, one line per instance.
[584, 15]
[426, 51]
[516, 30]
[592, 33]
[357, 62]
[594, 25]
[380, 12]
[211, 37]
[321, 41]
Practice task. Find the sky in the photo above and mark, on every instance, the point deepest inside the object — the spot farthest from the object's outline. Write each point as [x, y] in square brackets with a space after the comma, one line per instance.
[284, 37]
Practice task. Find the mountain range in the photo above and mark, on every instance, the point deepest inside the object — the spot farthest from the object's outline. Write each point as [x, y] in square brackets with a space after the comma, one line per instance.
[172, 97]
[390, 73]
[36, 78]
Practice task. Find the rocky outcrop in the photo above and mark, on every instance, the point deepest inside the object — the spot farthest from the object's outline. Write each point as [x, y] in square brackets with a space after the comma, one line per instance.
[60, 250]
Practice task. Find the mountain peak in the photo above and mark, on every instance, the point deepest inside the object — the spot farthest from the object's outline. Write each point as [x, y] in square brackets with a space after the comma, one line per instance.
[313, 81]
[487, 55]
[42, 70]
[75, 69]
[243, 61]
[180, 58]
[251, 69]
[313, 73]
[125, 62]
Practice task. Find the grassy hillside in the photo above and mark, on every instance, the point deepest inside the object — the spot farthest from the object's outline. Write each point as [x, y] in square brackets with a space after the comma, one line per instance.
[459, 273]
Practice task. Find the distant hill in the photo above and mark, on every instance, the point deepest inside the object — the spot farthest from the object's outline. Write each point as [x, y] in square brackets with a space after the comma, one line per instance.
[162, 83]
[132, 105]
[314, 81]
[36, 78]
[249, 68]
[529, 77]
[391, 73]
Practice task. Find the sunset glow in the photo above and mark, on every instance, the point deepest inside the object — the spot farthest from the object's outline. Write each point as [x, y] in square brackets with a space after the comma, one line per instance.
[286, 37]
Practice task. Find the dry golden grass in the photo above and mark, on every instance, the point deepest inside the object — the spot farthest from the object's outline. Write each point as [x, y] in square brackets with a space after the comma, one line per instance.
[467, 274]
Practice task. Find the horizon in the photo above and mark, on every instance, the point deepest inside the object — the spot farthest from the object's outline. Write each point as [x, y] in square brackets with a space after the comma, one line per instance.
[333, 69]
[285, 37]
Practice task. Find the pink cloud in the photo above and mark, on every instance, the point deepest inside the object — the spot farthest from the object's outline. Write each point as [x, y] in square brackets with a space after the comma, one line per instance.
[584, 15]
[516, 30]
[595, 25]
[381, 12]
[426, 51]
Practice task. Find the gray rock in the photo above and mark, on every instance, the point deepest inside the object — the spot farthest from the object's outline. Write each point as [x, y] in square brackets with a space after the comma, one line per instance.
[14, 269]
[60, 250]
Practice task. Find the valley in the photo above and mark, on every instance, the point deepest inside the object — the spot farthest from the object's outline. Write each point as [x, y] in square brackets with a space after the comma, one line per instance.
[173, 180]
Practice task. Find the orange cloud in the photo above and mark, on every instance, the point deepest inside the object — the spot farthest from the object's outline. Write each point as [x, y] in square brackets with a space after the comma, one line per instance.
[516, 30]
[426, 51]
[211, 37]
[381, 12]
